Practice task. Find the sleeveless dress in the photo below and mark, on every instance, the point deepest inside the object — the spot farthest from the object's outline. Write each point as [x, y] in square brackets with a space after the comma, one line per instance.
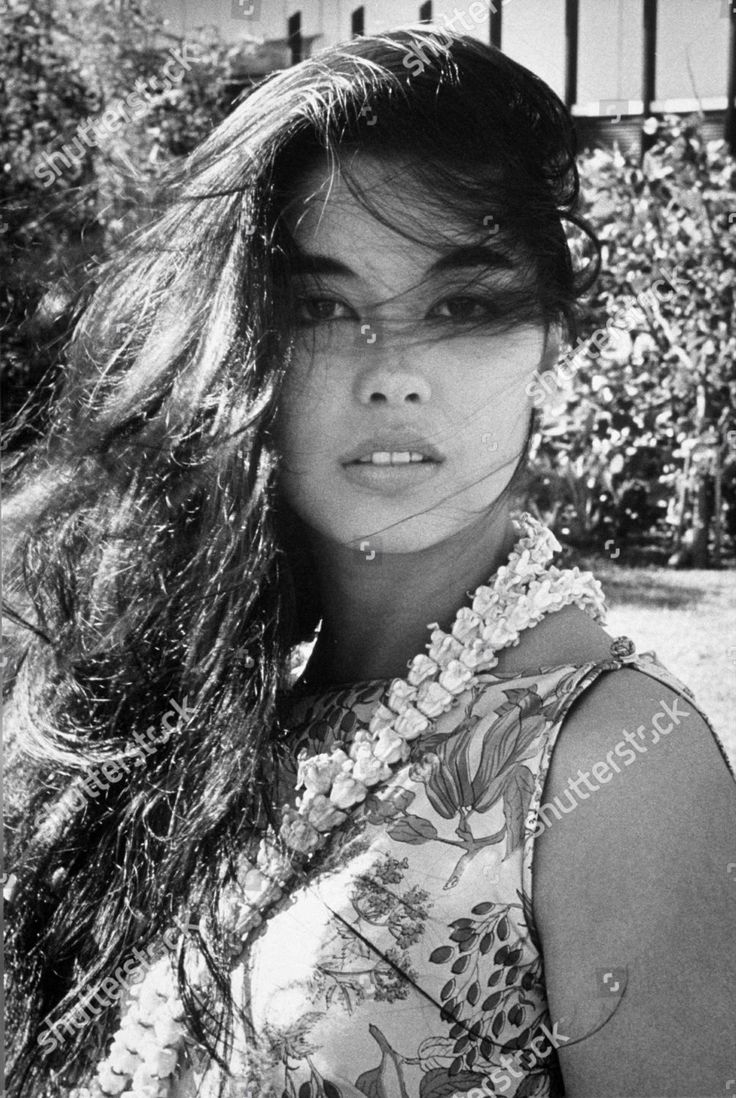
[409, 964]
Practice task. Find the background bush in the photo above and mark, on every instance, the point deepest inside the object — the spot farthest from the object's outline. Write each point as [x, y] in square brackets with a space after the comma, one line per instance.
[610, 462]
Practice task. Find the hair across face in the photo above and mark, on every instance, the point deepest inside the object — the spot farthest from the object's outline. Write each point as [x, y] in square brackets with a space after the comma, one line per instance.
[404, 410]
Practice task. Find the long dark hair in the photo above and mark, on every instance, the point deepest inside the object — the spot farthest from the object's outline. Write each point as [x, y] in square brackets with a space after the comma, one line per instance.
[150, 558]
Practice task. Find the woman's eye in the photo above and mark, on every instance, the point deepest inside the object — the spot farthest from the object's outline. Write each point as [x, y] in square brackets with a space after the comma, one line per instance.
[310, 310]
[464, 308]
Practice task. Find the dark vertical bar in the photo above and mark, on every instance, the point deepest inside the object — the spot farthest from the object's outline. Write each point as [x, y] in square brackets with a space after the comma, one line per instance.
[496, 11]
[730, 133]
[294, 30]
[357, 22]
[425, 12]
[649, 73]
[572, 23]
[650, 54]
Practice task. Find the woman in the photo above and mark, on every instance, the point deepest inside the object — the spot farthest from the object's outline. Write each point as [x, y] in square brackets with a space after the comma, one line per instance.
[302, 397]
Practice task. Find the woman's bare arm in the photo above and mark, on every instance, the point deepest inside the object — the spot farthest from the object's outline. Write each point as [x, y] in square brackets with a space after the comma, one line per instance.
[635, 897]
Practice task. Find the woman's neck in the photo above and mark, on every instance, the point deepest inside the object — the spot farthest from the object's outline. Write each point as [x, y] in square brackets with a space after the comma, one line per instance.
[376, 611]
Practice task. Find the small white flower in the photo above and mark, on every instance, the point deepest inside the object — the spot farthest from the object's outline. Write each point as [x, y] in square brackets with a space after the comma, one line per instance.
[498, 634]
[444, 650]
[400, 695]
[168, 1031]
[316, 774]
[176, 1008]
[473, 654]
[433, 699]
[382, 718]
[411, 723]
[362, 739]
[369, 769]
[421, 668]
[323, 815]
[112, 1082]
[131, 1033]
[467, 625]
[255, 883]
[455, 677]
[389, 747]
[484, 599]
[152, 995]
[519, 619]
[158, 1060]
[298, 833]
[145, 1083]
[122, 1058]
[347, 791]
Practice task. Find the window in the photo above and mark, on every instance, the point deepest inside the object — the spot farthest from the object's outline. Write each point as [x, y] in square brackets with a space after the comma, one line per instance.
[357, 22]
[294, 32]
[425, 12]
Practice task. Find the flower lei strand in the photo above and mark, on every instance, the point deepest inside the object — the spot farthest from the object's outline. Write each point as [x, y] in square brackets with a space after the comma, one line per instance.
[145, 1049]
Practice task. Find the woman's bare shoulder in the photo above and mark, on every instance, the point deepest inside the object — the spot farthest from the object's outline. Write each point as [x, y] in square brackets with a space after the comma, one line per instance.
[569, 635]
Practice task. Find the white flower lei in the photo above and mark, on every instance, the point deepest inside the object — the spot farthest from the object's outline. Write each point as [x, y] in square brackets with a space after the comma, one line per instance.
[145, 1049]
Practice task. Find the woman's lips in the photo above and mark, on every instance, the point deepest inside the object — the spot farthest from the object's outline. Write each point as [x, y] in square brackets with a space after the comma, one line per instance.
[391, 479]
[393, 448]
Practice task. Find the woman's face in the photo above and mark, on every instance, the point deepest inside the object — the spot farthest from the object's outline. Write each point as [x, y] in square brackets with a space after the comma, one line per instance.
[404, 411]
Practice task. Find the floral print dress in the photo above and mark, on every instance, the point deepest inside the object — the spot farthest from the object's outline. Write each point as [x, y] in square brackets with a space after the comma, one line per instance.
[408, 965]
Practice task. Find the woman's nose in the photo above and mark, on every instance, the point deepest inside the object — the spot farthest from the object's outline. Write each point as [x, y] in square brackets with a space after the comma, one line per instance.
[397, 385]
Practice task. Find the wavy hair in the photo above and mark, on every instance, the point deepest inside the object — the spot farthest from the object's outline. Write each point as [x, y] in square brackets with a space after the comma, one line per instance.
[148, 546]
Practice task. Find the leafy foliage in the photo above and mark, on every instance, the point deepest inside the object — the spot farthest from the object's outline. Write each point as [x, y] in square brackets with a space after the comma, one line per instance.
[661, 380]
[91, 115]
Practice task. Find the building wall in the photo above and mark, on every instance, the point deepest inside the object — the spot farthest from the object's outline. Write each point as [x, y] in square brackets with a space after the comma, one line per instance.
[692, 38]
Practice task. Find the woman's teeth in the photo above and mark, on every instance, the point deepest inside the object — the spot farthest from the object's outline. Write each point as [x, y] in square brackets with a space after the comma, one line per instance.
[385, 457]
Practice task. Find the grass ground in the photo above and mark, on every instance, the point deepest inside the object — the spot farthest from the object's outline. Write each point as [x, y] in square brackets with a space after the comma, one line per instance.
[689, 619]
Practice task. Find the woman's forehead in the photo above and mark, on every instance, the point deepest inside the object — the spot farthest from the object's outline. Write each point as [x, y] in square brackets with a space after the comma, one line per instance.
[414, 228]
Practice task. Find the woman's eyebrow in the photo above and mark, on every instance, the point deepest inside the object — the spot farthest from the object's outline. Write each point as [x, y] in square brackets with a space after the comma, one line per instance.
[472, 255]
[314, 264]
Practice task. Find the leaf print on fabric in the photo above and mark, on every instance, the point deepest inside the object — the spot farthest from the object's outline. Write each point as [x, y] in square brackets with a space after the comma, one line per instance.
[510, 739]
[448, 787]
[483, 996]
[457, 787]
[292, 1042]
[318, 1086]
[434, 1052]
[414, 830]
[378, 899]
[517, 795]
[386, 1080]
